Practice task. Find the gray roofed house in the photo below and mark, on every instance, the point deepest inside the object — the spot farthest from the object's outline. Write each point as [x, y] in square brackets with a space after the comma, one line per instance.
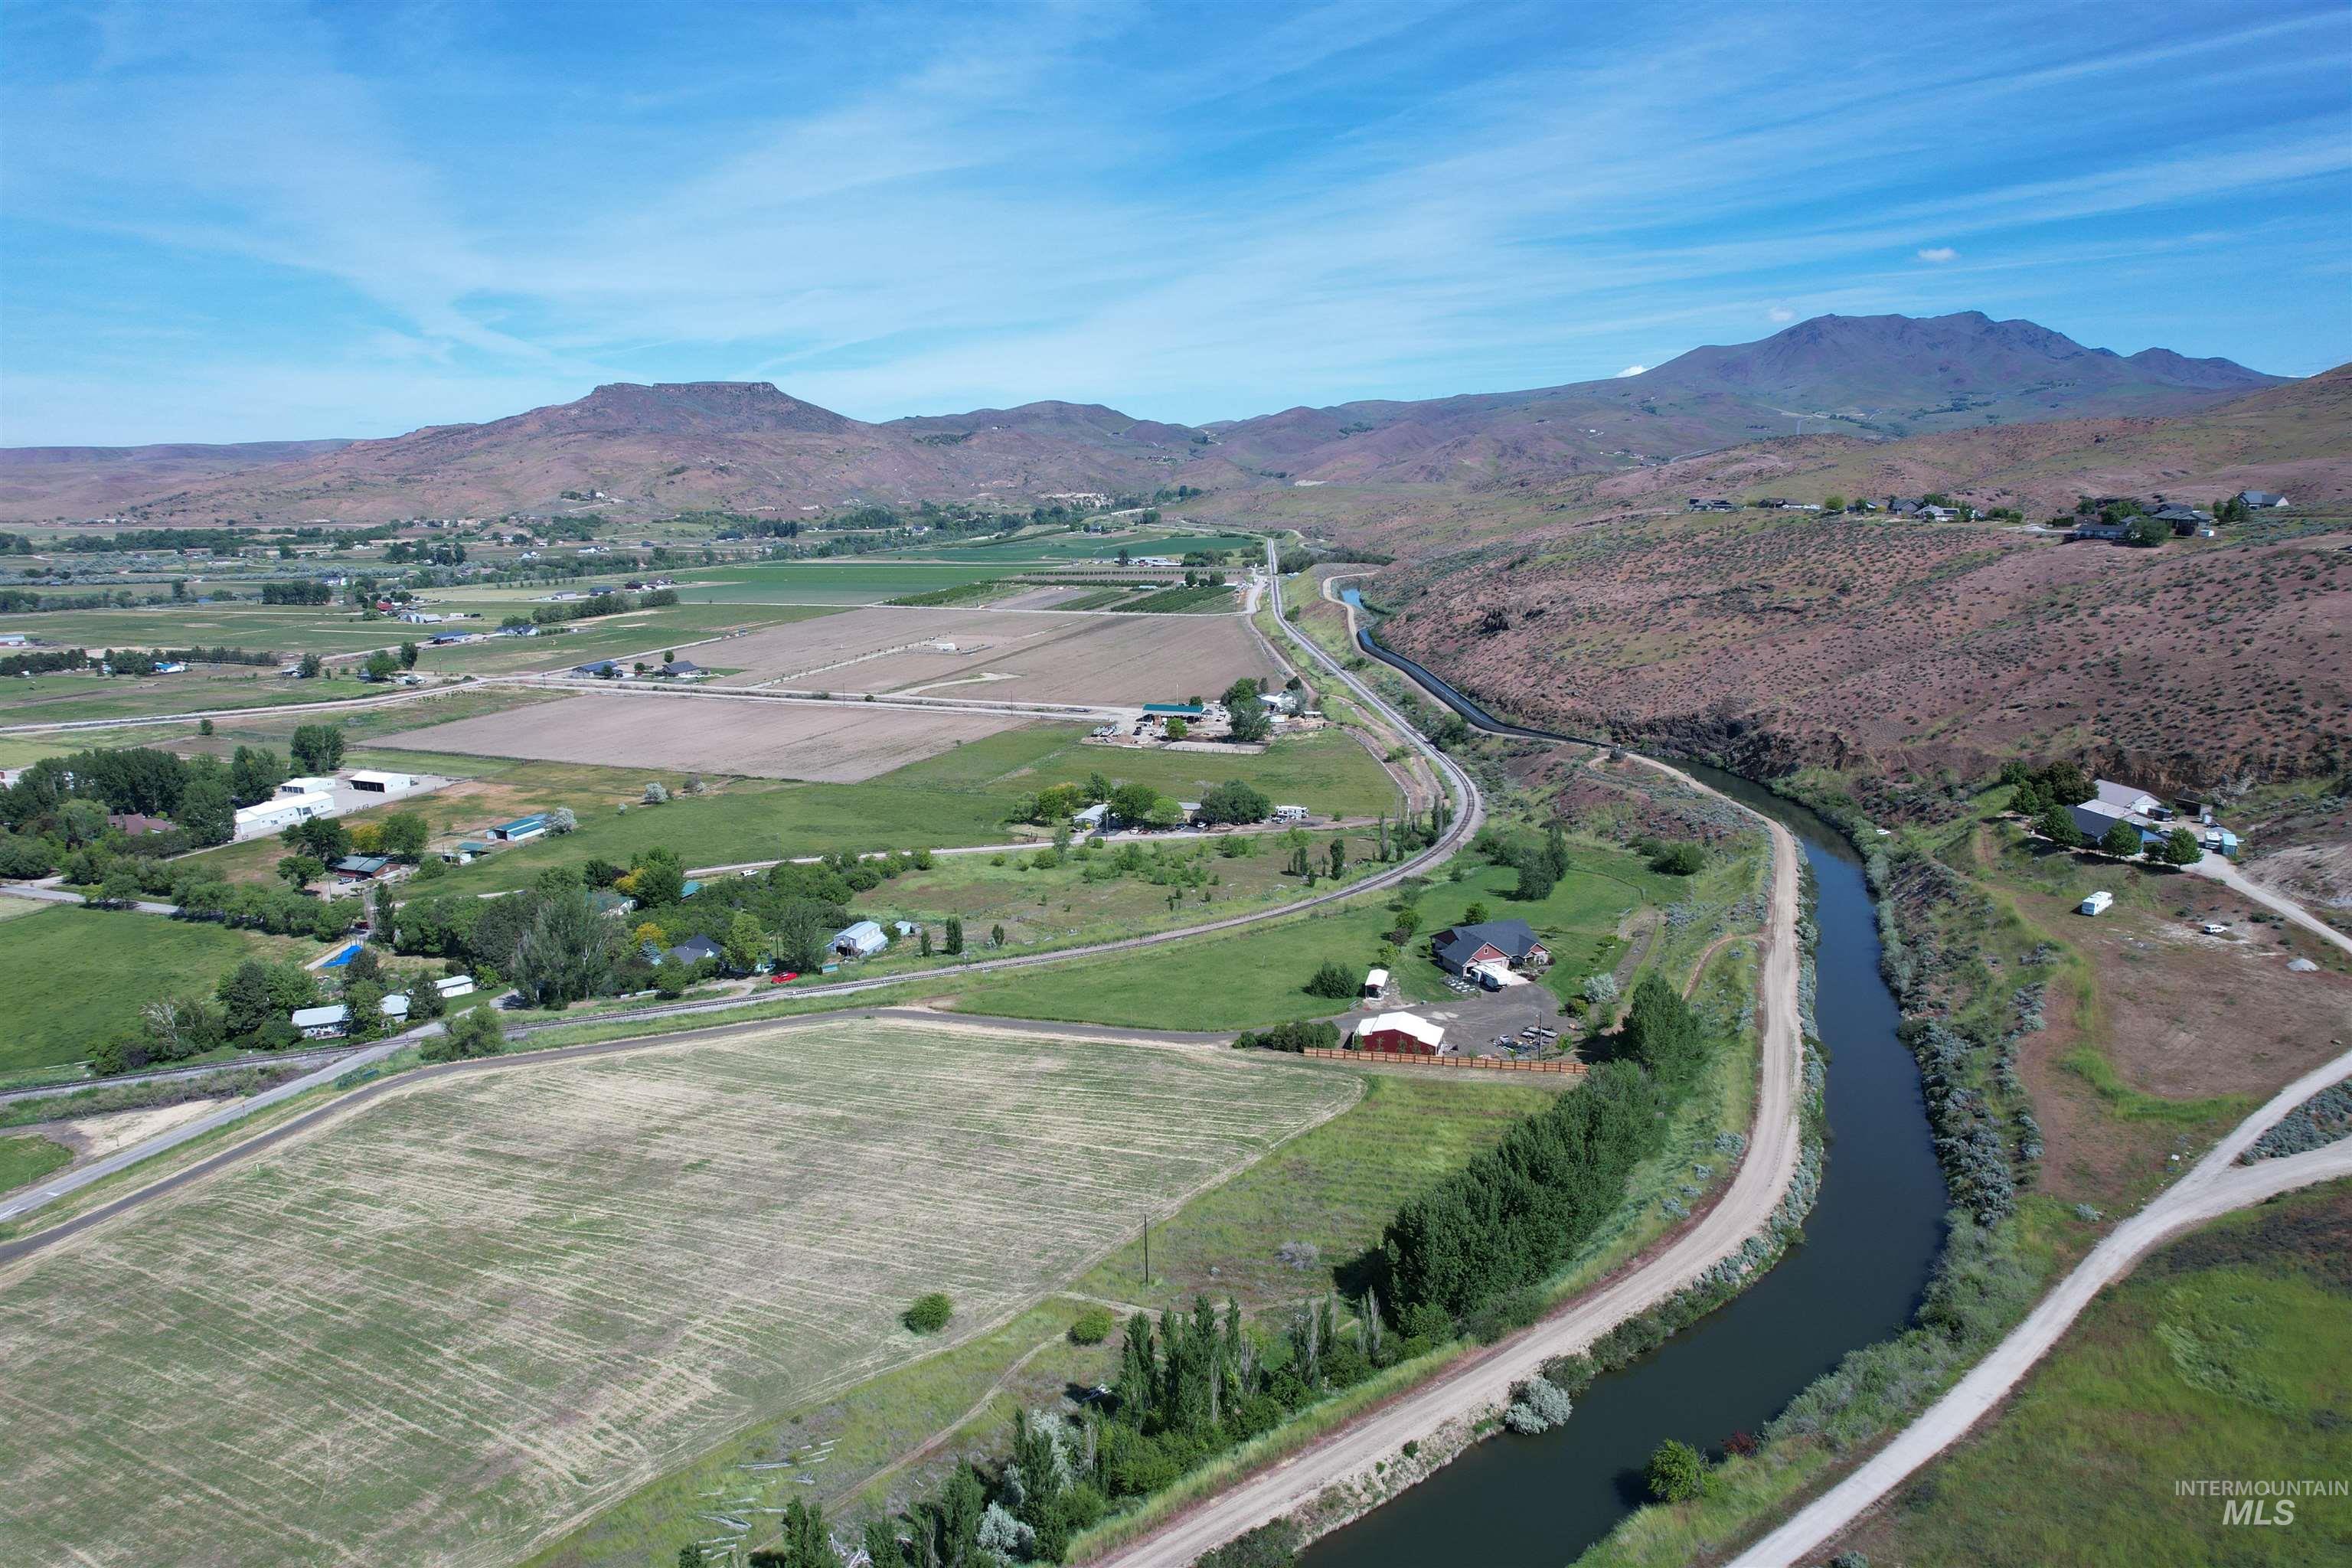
[694, 950]
[1512, 940]
[681, 666]
[2260, 497]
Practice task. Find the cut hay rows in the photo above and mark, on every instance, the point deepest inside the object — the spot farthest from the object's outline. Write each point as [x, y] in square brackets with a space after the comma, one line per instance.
[841, 743]
[442, 1329]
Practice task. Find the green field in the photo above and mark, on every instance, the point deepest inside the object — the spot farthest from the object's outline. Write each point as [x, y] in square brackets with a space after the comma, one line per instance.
[2227, 1354]
[1255, 977]
[643, 633]
[1072, 548]
[437, 1330]
[854, 582]
[65, 698]
[71, 977]
[964, 795]
[27, 1157]
[284, 628]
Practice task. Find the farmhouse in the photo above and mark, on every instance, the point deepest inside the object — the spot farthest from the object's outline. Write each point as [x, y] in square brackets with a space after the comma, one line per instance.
[678, 669]
[2094, 818]
[363, 867]
[863, 939]
[334, 1020]
[1512, 942]
[520, 828]
[2099, 528]
[2261, 499]
[1092, 819]
[138, 824]
[2128, 798]
[1401, 1032]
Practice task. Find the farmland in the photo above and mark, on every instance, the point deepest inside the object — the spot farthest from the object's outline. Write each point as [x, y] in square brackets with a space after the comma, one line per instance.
[116, 962]
[284, 628]
[638, 634]
[1020, 655]
[965, 795]
[832, 742]
[1082, 547]
[68, 698]
[861, 582]
[476, 1336]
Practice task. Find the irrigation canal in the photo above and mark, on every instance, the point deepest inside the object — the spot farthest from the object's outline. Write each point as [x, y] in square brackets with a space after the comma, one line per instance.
[1857, 1276]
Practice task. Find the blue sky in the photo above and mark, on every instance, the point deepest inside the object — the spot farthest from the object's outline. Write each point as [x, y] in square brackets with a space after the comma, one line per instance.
[229, 222]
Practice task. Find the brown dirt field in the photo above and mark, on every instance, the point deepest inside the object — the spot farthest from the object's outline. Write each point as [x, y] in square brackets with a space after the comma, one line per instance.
[1005, 654]
[836, 744]
[2181, 1015]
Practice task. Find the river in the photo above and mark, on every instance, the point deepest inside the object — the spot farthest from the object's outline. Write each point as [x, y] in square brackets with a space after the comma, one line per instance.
[1857, 1276]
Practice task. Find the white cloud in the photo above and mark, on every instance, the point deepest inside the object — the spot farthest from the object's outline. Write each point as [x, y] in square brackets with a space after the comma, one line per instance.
[1939, 253]
[1632, 370]
[1779, 314]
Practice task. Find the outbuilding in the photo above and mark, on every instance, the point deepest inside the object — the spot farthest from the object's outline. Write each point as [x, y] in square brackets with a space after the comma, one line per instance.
[363, 867]
[520, 828]
[369, 781]
[863, 939]
[271, 816]
[1401, 1033]
[2096, 903]
[1376, 981]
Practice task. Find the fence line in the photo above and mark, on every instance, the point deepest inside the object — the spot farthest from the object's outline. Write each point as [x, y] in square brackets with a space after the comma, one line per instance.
[1411, 1059]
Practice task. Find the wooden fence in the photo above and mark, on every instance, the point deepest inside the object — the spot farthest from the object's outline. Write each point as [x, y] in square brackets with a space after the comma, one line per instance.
[1409, 1059]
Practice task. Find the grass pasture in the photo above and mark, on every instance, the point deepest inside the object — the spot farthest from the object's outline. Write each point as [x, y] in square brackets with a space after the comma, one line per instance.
[854, 581]
[112, 963]
[2226, 1354]
[639, 635]
[27, 1157]
[470, 1315]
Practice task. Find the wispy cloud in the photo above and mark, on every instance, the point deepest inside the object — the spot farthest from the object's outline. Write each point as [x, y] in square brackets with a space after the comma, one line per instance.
[931, 208]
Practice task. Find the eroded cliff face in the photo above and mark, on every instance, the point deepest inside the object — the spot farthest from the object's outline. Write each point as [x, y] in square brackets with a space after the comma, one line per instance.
[1920, 652]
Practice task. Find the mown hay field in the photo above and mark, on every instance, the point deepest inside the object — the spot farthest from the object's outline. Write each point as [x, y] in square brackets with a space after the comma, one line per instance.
[1023, 656]
[833, 743]
[469, 1315]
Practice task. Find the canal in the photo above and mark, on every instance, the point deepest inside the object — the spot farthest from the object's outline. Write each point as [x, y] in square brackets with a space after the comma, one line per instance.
[1857, 1276]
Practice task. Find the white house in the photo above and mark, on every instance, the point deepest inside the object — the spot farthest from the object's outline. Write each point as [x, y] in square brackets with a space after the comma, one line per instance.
[334, 1021]
[1092, 819]
[452, 987]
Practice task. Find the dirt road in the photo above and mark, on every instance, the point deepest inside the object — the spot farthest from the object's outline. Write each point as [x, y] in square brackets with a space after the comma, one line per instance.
[2215, 1186]
[1483, 1381]
[2215, 868]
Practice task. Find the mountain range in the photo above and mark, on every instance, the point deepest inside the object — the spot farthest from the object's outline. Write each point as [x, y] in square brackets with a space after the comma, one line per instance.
[749, 446]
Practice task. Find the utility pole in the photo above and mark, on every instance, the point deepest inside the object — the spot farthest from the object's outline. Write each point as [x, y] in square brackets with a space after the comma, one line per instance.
[1147, 1252]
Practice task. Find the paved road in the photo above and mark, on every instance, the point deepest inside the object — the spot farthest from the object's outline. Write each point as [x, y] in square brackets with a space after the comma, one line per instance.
[2213, 1187]
[49, 894]
[1483, 1381]
[366, 1094]
[25, 1204]
[2215, 867]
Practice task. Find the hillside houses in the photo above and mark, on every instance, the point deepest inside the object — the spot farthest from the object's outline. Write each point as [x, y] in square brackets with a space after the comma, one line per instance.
[2121, 803]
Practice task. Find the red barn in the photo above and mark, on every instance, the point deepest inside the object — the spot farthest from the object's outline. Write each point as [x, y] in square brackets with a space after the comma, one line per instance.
[1401, 1032]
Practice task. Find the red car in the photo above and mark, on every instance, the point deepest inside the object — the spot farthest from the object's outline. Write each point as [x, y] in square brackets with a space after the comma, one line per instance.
[784, 977]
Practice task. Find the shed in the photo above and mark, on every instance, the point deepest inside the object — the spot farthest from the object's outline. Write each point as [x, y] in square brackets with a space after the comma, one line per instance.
[370, 781]
[520, 828]
[1174, 710]
[1376, 981]
[863, 939]
[271, 816]
[2096, 903]
[452, 987]
[1401, 1032]
[311, 783]
[322, 1023]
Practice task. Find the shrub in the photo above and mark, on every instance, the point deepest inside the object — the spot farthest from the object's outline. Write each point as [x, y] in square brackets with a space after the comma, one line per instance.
[1273, 1544]
[1537, 1405]
[1677, 1472]
[1678, 860]
[929, 1313]
[1333, 982]
[1091, 1327]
